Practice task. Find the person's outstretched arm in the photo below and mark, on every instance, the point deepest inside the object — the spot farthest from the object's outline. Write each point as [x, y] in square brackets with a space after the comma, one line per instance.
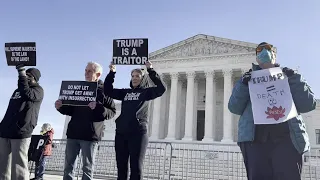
[302, 95]
[33, 94]
[108, 85]
[154, 92]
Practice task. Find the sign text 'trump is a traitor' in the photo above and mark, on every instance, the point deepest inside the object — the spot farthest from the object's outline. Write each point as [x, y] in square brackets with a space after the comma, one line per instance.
[130, 51]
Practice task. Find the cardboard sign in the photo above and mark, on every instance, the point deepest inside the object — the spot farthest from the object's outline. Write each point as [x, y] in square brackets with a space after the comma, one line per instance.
[271, 97]
[36, 147]
[78, 93]
[130, 51]
[21, 53]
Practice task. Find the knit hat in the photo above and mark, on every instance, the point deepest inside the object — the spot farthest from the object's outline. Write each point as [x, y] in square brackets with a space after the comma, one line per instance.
[35, 73]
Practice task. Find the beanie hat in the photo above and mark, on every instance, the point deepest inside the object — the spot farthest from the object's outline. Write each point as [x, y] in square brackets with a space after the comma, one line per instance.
[35, 73]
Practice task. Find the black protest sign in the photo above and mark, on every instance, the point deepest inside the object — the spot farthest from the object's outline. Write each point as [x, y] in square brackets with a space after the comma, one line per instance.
[130, 51]
[20, 53]
[36, 147]
[78, 93]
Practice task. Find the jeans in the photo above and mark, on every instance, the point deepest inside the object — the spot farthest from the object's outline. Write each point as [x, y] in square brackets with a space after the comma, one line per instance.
[14, 159]
[88, 150]
[133, 146]
[40, 167]
[272, 160]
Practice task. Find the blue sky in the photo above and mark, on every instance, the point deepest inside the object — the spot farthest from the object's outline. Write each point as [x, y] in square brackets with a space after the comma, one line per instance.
[71, 33]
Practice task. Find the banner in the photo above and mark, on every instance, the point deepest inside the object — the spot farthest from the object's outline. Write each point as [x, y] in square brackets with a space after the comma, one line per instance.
[36, 148]
[270, 96]
[130, 51]
[21, 53]
[78, 93]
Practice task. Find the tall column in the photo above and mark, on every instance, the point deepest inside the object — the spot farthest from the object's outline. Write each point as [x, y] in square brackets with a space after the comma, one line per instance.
[155, 134]
[173, 107]
[227, 116]
[189, 120]
[210, 106]
[156, 118]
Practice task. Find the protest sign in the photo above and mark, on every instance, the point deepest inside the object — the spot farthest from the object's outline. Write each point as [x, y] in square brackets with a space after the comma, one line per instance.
[78, 93]
[20, 53]
[36, 147]
[130, 51]
[270, 96]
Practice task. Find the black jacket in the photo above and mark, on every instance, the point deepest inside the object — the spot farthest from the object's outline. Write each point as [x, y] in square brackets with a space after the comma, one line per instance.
[22, 113]
[87, 124]
[135, 102]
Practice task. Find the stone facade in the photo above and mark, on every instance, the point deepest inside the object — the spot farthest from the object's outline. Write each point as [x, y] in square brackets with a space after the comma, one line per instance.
[199, 73]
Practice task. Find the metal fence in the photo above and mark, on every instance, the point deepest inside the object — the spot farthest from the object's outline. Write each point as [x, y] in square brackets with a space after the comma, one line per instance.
[177, 161]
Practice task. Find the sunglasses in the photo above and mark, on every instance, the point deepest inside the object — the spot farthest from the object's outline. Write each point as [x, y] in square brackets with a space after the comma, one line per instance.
[268, 47]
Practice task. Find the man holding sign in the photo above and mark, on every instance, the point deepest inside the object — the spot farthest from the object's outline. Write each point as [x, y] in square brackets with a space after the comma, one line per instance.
[18, 124]
[272, 134]
[86, 126]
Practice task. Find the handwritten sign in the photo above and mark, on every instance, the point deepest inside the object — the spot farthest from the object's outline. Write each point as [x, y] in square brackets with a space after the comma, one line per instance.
[130, 51]
[270, 96]
[20, 53]
[78, 93]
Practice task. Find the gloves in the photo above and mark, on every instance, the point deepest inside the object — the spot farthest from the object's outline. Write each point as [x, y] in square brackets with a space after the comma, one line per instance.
[246, 77]
[21, 70]
[287, 71]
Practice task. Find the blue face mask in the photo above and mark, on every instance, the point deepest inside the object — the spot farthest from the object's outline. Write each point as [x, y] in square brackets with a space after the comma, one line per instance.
[265, 56]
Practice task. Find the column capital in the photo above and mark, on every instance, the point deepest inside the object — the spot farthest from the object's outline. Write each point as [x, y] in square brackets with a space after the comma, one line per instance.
[209, 73]
[174, 75]
[191, 74]
[227, 72]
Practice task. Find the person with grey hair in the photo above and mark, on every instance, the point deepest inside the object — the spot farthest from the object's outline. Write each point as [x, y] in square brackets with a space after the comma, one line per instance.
[85, 128]
[131, 138]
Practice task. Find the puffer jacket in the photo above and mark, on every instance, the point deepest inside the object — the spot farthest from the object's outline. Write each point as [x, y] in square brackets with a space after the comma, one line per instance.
[303, 97]
[48, 147]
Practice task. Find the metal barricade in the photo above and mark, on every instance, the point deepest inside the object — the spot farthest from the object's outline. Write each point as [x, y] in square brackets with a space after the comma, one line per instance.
[177, 161]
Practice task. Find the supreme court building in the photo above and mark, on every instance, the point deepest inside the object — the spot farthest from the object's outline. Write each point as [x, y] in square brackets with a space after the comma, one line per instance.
[199, 73]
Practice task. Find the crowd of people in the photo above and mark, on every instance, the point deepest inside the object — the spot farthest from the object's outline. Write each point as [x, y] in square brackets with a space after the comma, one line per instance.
[270, 152]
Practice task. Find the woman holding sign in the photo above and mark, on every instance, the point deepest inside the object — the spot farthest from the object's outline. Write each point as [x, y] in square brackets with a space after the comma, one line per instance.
[131, 126]
[272, 134]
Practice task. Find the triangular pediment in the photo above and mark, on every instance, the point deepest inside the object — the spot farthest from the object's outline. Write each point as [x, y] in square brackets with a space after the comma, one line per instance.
[203, 45]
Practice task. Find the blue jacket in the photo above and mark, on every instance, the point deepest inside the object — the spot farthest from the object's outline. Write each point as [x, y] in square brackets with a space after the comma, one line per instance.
[303, 97]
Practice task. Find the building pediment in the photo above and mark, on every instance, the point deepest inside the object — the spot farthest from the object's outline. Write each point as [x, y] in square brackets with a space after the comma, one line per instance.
[203, 45]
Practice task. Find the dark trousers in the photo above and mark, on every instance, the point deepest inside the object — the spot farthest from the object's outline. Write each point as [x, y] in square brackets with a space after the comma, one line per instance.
[40, 167]
[272, 160]
[133, 146]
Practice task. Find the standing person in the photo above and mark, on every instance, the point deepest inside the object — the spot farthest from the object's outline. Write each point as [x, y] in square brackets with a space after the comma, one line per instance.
[274, 151]
[46, 130]
[85, 128]
[18, 123]
[131, 126]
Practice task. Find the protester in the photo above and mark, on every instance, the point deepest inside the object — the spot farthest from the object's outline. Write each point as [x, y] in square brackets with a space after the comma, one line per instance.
[18, 123]
[85, 128]
[131, 138]
[274, 151]
[46, 130]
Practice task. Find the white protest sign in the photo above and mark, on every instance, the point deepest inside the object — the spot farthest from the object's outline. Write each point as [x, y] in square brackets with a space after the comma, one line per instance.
[270, 96]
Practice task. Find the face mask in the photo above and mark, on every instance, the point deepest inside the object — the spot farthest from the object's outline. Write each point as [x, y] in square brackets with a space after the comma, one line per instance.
[265, 56]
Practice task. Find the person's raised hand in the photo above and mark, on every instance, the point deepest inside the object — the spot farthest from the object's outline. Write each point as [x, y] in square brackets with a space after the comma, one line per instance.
[58, 104]
[148, 64]
[246, 77]
[92, 105]
[112, 67]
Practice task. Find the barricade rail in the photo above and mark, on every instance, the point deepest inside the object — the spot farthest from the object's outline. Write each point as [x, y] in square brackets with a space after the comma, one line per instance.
[176, 161]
